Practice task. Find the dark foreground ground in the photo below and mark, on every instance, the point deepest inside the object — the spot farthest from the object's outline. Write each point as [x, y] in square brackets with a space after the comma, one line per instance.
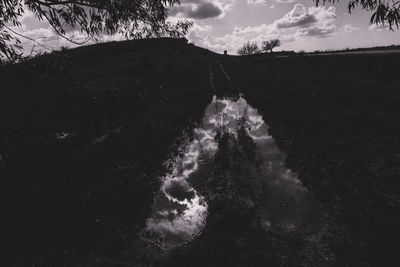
[84, 134]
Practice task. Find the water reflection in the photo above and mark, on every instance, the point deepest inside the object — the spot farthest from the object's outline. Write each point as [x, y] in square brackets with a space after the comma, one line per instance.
[180, 211]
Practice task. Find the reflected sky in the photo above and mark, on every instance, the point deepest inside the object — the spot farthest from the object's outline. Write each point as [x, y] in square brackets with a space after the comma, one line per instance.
[179, 211]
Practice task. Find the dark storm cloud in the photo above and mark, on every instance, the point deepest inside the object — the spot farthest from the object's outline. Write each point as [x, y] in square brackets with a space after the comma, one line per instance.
[204, 11]
[196, 9]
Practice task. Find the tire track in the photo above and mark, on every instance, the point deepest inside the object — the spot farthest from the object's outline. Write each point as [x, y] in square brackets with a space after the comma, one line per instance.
[228, 77]
[211, 76]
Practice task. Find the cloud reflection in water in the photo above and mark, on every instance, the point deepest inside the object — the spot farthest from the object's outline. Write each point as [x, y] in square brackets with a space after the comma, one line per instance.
[179, 211]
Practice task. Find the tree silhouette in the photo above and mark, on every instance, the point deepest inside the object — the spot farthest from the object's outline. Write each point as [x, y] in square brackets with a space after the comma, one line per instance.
[267, 46]
[133, 18]
[383, 11]
[248, 49]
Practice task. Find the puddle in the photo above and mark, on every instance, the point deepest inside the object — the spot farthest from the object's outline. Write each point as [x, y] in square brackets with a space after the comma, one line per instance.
[179, 211]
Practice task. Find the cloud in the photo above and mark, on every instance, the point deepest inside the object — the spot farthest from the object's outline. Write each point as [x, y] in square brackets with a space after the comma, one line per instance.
[30, 22]
[179, 190]
[269, 3]
[348, 28]
[46, 39]
[197, 9]
[300, 16]
[319, 31]
[300, 23]
[379, 27]
[285, 1]
[256, 2]
[205, 10]
[309, 22]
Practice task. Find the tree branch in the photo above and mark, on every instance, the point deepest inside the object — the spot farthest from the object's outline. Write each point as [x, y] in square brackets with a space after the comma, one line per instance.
[31, 39]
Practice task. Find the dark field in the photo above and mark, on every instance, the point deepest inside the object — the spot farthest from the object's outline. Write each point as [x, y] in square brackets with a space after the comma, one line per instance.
[84, 134]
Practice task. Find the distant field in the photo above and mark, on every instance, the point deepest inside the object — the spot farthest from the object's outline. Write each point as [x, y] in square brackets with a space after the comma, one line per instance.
[358, 52]
[335, 118]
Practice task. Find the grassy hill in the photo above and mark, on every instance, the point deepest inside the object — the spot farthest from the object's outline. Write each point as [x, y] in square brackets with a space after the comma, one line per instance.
[85, 132]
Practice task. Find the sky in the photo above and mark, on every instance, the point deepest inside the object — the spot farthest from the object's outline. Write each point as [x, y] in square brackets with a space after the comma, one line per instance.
[221, 25]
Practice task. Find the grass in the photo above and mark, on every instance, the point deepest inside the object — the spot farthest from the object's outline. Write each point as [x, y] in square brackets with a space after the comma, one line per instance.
[335, 119]
[73, 202]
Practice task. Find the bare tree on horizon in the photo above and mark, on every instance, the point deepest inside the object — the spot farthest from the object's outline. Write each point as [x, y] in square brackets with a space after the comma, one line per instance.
[268, 46]
[249, 49]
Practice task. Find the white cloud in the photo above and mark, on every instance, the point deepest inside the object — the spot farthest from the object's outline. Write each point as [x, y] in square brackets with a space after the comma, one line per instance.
[319, 31]
[298, 24]
[256, 2]
[269, 3]
[300, 16]
[379, 27]
[285, 1]
[46, 39]
[348, 28]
